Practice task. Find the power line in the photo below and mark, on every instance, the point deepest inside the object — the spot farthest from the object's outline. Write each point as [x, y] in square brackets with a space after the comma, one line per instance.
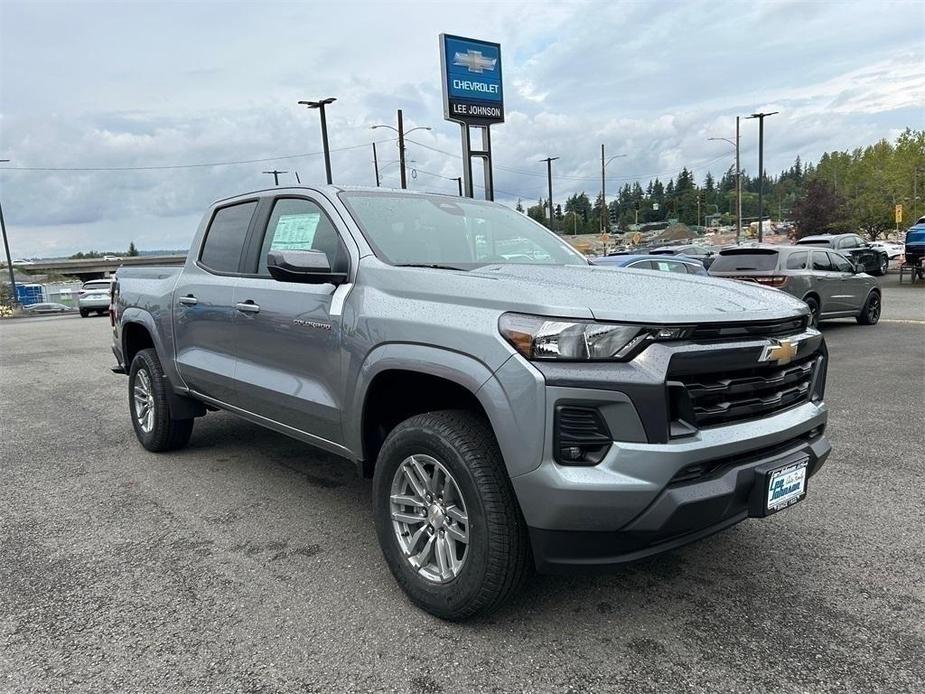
[166, 167]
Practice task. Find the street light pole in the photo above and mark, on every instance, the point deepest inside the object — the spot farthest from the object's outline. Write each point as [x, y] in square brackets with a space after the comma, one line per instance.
[324, 131]
[761, 117]
[605, 213]
[14, 298]
[376, 164]
[458, 180]
[549, 161]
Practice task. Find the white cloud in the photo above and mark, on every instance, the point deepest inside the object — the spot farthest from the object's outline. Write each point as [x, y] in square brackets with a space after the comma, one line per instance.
[150, 84]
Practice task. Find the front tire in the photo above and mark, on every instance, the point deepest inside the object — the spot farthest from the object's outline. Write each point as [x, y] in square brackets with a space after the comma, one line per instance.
[149, 406]
[84, 313]
[870, 314]
[884, 266]
[448, 523]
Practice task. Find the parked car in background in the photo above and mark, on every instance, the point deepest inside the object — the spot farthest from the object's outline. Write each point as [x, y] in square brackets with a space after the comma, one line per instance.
[915, 245]
[704, 254]
[94, 296]
[875, 261]
[830, 284]
[892, 250]
[690, 266]
[46, 307]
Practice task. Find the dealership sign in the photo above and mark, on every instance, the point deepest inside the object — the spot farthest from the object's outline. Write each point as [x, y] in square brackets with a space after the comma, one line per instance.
[472, 90]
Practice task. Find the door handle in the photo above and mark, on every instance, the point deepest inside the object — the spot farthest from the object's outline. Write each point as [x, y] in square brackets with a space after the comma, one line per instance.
[247, 307]
[189, 300]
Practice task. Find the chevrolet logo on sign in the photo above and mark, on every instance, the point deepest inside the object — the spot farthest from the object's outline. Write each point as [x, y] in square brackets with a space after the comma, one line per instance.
[474, 61]
[780, 351]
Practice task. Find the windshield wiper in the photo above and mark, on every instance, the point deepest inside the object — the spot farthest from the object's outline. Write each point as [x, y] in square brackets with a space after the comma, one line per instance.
[433, 266]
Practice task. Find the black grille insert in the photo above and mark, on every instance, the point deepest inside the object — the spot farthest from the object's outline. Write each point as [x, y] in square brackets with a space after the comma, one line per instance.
[581, 436]
[712, 399]
[758, 329]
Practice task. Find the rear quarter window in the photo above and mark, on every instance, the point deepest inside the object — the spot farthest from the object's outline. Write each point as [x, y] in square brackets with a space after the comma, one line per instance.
[737, 261]
[797, 261]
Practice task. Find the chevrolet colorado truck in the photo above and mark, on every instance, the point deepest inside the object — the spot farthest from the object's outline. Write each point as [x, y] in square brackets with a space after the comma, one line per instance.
[515, 406]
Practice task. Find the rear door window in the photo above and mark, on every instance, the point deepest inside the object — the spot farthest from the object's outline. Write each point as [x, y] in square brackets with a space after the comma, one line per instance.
[224, 242]
[739, 261]
[821, 261]
[797, 261]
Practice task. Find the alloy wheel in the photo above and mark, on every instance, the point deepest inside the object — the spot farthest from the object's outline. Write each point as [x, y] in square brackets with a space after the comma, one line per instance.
[143, 396]
[429, 518]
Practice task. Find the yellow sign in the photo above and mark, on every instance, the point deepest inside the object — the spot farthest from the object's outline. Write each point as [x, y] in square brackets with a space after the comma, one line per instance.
[899, 214]
[637, 237]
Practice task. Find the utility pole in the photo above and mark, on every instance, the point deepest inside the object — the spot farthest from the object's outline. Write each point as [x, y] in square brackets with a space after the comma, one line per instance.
[738, 179]
[401, 142]
[275, 175]
[324, 131]
[376, 164]
[738, 185]
[549, 161]
[401, 150]
[458, 180]
[761, 117]
[14, 298]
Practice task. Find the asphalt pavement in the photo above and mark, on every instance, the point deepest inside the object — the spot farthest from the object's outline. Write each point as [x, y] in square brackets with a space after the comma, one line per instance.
[248, 561]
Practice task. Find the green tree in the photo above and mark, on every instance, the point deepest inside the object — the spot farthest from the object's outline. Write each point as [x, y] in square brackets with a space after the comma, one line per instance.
[819, 211]
[132, 251]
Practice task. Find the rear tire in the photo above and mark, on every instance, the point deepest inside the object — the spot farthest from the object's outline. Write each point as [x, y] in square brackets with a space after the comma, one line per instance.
[84, 313]
[884, 266]
[495, 559]
[870, 314]
[813, 311]
[149, 406]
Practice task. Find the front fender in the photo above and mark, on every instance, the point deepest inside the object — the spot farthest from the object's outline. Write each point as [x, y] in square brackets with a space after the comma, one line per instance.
[514, 405]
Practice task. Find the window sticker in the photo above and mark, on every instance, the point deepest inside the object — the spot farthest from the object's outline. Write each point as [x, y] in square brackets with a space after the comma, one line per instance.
[295, 232]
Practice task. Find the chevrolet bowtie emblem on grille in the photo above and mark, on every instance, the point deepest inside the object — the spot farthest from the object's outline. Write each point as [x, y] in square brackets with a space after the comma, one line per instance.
[780, 351]
[475, 61]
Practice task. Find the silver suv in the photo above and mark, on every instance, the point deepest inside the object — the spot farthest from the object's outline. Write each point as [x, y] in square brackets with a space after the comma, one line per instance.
[830, 284]
[94, 296]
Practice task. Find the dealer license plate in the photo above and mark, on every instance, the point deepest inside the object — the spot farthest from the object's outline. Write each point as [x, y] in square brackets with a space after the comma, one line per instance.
[787, 485]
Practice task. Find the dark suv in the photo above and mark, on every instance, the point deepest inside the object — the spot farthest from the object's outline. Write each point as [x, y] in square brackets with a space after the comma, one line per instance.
[855, 248]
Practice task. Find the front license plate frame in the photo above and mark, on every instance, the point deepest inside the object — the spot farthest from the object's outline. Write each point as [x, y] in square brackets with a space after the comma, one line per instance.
[785, 485]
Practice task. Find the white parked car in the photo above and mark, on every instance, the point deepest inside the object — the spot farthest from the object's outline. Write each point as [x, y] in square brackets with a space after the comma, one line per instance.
[94, 296]
[893, 250]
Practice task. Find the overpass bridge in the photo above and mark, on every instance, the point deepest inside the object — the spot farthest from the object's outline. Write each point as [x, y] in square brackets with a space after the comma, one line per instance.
[95, 268]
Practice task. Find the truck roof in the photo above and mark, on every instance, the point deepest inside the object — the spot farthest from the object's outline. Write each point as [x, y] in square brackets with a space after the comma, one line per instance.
[333, 189]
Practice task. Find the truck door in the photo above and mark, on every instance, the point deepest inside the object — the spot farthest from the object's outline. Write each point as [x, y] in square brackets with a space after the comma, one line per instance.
[288, 338]
[204, 305]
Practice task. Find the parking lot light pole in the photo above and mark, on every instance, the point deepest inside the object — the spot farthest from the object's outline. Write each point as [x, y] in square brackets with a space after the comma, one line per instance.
[14, 299]
[549, 161]
[761, 117]
[401, 143]
[324, 131]
[376, 164]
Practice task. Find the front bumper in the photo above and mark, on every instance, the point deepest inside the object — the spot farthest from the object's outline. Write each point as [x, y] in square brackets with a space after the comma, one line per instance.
[655, 488]
[677, 515]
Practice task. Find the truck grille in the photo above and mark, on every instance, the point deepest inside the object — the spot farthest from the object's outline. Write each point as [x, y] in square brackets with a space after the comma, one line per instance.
[712, 399]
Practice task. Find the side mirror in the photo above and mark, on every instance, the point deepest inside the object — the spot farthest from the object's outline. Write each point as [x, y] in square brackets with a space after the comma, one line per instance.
[307, 267]
[858, 268]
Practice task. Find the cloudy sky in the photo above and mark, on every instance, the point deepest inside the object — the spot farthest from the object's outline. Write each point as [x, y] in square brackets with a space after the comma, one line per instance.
[156, 84]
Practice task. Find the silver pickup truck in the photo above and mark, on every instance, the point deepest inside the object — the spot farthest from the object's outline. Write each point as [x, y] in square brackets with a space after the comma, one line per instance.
[515, 406]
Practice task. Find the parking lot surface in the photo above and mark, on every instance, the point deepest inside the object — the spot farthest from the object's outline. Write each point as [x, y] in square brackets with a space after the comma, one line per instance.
[248, 561]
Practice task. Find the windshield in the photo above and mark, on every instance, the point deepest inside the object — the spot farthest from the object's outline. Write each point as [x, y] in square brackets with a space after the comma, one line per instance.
[734, 261]
[453, 232]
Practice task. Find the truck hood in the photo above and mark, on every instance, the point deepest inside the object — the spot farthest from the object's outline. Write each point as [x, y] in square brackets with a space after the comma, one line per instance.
[619, 294]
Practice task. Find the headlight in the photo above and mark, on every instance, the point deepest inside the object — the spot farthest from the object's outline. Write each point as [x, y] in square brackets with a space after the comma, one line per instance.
[537, 337]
